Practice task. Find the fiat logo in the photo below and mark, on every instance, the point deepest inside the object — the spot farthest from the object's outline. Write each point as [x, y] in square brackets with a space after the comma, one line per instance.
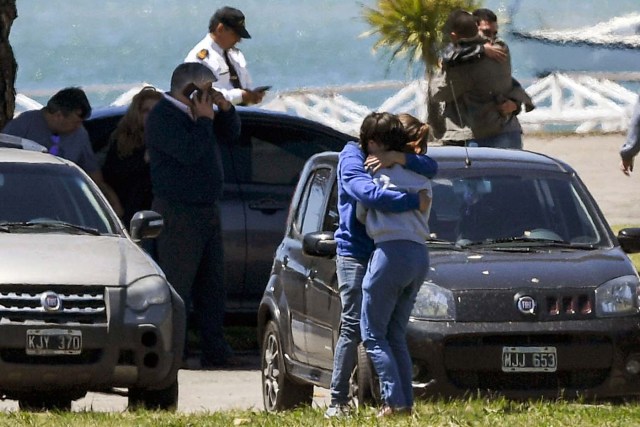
[50, 301]
[526, 305]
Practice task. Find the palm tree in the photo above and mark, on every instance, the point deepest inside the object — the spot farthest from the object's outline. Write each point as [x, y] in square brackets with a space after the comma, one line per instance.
[8, 65]
[412, 30]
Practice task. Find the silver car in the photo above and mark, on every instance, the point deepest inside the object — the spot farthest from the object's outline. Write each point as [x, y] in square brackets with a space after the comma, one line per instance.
[82, 306]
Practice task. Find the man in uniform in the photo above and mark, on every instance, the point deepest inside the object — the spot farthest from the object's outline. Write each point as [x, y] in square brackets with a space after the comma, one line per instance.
[218, 52]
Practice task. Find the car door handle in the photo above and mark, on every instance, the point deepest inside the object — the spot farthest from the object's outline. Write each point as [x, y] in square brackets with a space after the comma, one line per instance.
[268, 206]
[285, 260]
[312, 274]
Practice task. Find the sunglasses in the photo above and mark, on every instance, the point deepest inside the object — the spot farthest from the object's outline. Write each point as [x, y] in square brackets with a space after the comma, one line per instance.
[55, 145]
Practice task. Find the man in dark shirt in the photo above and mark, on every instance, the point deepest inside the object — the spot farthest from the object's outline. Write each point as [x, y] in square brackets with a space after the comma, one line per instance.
[182, 133]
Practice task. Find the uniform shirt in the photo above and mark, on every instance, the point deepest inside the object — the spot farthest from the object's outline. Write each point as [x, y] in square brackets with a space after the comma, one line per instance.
[207, 52]
[74, 146]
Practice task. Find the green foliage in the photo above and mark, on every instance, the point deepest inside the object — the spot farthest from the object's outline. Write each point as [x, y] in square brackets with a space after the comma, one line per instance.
[412, 29]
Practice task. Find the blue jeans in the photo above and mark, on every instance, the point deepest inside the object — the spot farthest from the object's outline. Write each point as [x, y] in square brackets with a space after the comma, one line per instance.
[350, 272]
[502, 140]
[396, 272]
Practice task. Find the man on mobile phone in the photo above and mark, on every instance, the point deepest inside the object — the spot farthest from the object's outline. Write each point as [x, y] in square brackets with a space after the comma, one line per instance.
[218, 51]
[183, 133]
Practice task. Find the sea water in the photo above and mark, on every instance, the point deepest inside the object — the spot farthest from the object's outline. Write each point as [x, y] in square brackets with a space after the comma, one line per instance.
[109, 45]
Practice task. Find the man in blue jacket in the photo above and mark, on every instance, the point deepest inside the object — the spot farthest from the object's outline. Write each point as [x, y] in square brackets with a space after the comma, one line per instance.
[183, 133]
[355, 185]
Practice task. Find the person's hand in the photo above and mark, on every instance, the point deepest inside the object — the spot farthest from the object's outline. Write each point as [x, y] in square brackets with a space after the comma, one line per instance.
[220, 101]
[507, 108]
[495, 52]
[626, 166]
[202, 105]
[252, 96]
[384, 159]
[425, 200]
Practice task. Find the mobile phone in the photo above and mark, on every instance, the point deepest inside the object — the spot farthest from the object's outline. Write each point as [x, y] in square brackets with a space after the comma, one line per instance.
[262, 88]
[190, 89]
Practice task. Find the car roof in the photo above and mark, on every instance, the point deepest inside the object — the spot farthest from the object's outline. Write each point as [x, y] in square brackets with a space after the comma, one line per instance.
[479, 157]
[15, 155]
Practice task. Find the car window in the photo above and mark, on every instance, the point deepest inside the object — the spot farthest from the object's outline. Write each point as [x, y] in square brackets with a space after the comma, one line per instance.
[310, 211]
[331, 218]
[274, 155]
[476, 208]
[53, 195]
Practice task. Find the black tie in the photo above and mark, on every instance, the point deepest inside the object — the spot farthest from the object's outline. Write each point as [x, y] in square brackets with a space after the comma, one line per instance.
[233, 74]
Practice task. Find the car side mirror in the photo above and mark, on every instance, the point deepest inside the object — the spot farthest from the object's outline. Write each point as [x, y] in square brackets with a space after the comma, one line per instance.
[146, 225]
[319, 243]
[629, 239]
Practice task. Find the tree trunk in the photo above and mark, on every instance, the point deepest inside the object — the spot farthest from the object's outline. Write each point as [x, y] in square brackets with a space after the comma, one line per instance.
[8, 65]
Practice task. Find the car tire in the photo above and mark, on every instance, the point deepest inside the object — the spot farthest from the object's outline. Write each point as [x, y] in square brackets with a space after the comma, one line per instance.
[42, 403]
[367, 383]
[165, 399]
[279, 392]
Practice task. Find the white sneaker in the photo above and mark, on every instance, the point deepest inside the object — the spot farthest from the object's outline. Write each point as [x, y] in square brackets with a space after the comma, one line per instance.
[337, 411]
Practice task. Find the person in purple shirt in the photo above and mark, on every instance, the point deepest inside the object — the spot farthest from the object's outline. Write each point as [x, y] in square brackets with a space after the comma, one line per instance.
[355, 185]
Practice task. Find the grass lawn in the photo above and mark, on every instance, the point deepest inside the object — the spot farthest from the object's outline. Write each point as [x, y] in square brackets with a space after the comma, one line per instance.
[471, 412]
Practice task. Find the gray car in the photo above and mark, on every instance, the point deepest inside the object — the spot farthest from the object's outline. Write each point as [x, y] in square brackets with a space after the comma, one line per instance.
[529, 293]
[82, 306]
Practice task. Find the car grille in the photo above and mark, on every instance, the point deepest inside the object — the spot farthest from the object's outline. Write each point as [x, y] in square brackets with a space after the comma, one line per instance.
[584, 361]
[79, 304]
[501, 306]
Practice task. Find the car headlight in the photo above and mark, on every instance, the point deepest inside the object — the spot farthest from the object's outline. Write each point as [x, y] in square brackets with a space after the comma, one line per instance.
[150, 290]
[434, 303]
[617, 297]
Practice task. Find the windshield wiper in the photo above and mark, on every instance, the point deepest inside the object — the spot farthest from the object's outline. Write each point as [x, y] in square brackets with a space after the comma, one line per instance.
[519, 241]
[8, 226]
[442, 244]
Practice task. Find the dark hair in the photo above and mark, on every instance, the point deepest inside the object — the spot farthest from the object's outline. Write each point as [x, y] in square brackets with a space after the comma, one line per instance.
[190, 72]
[485, 15]
[462, 23]
[417, 133]
[384, 128]
[213, 22]
[68, 101]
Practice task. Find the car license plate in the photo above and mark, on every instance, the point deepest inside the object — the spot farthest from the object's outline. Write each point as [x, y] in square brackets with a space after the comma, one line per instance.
[529, 359]
[47, 342]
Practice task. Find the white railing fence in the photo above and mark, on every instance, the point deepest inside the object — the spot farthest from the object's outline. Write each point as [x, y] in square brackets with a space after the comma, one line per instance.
[578, 103]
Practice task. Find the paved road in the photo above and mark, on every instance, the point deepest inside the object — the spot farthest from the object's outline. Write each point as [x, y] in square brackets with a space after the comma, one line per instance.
[200, 391]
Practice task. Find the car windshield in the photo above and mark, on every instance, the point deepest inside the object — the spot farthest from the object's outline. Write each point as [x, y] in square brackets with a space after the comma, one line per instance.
[44, 198]
[503, 210]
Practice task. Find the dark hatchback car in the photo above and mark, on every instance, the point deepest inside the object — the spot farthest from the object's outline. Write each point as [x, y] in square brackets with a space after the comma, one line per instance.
[261, 172]
[529, 294]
